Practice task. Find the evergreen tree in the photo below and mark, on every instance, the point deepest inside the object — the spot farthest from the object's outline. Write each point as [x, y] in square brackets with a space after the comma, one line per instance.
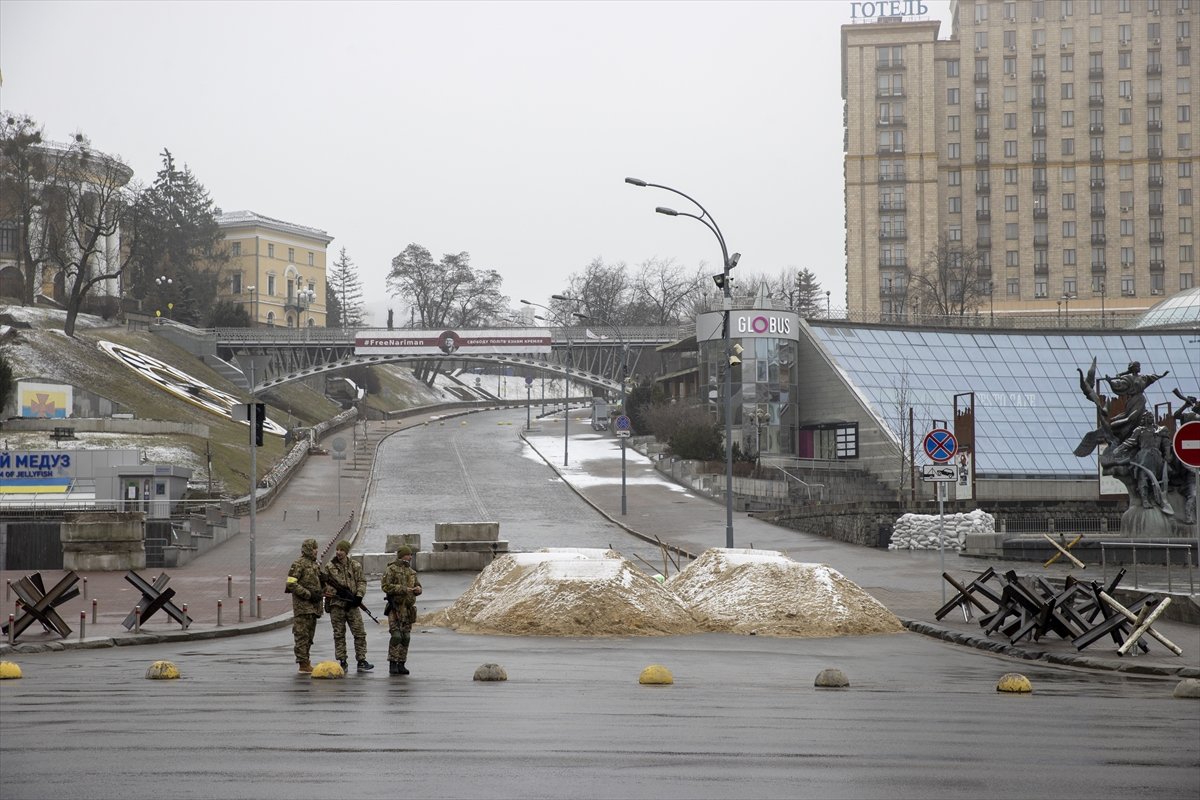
[810, 300]
[345, 294]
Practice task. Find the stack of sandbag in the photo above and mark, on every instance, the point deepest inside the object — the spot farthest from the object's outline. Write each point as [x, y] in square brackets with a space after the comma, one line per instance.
[920, 531]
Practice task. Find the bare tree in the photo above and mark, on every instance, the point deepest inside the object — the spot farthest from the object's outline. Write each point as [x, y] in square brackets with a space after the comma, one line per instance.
[950, 282]
[24, 168]
[601, 290]
[347, 288]
[663, 293]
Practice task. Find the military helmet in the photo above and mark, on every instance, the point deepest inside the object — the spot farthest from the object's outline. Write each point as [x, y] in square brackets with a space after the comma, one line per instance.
[403, 550]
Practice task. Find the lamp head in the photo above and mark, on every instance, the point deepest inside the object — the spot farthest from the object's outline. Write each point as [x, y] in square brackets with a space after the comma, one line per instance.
[670, 212]
[719, 280]
[738, 349]
[734, 361]
[526, 302]
[635, 181]
[581, 316]
[734, 259]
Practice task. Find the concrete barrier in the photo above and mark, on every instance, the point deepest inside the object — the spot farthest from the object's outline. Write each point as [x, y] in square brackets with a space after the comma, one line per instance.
[466, 531]
[104, 541]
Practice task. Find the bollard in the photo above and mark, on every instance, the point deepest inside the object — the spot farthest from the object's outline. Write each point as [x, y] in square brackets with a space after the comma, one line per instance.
[12, 627]
[241, 609]
[318, 515]
[7, 590]
[285, 515]
[183, 622]
[85, 587]
[137, 619]
[229, 586]
[94, 604]
[218, 613]
[258, 606]
[82, 624]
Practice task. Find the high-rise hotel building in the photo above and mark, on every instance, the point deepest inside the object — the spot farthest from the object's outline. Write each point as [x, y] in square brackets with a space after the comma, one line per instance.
[1055, 136]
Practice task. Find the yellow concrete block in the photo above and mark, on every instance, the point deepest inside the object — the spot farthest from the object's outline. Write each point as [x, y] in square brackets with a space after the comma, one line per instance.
[656, 674]
[162, 671]
[1014, 682]
[328, 669]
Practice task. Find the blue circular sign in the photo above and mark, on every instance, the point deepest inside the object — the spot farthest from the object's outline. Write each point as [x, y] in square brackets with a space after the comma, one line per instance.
[623, 423]
[940, 445]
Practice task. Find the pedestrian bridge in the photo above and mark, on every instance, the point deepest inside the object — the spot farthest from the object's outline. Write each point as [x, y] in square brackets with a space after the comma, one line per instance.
[284, 355]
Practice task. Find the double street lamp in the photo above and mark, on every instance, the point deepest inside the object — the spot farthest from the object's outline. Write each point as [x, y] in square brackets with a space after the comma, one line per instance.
[624, 411]
[566, 384]
[164, 285]
[728, 262]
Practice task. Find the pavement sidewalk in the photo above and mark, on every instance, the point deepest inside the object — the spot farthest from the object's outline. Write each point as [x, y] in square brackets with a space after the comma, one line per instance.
[907, 582]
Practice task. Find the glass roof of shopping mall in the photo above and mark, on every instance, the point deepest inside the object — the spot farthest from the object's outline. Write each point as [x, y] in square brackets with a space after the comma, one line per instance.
[1178, 311]
[1029, 411]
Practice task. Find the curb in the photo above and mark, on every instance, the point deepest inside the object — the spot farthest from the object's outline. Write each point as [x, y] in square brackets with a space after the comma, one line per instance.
[166, 637]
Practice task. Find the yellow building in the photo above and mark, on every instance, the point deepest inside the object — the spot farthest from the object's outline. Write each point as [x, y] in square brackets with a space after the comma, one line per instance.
[276, 269]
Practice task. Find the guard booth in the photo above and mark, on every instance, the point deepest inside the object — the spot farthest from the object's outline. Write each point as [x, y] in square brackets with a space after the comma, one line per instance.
[153, 489]
[599, 414]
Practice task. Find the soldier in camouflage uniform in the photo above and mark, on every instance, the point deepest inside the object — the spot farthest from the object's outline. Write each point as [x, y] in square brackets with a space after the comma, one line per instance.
[304, 585]
[401, 585]
[343, 574]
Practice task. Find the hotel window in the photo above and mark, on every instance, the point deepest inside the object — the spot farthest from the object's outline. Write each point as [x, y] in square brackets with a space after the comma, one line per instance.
[1126, 256]
[981, 40]
[952, 68]
[1069, 286]
[1127, 227]
[1068, 8]
[1066, 63]
[1010, 65]
[1013, 287]
[1122, 6]
[1068, 229]
[1067, 175]
[1039, 37]
[1185, 280]
[1068, 91]
[1183, 57]
[981, 11]
[955, 233]
[1010, 93]
[1012, 230]
[8, 237]
[1095, 34]
[1125, 60]
[1183, 114]
[952, 123]
[952, 97]
[1010, 177]
[1124, 89]
[1153, 31]
[954, 177]
[1185, 196]
[1012, 258]
[1069, 257]
[1156, 283]
[235, 283]
[271, 254]
[1126, 200]
[310, 260]
[291, 255]
[1125, 144]
[1125, 116]
[1068, 119]
[1184, 142]
[1185, 224]
[1010, 148]
[1039, 9]
[1010, 122]
[270, 286]
[1010, 10]
[1068, 36]
[1185, 169]
[955, 206]
[1010, 40]
[1125, 172]
[1040, 287]
[1183, 29]
[1183, 85]
[953, 150]
[1068, 147]
[1127, 284]
[235, 249]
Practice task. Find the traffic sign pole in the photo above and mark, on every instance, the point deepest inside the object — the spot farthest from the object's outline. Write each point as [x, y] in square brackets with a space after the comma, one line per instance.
[1186, 444]
[940, 445]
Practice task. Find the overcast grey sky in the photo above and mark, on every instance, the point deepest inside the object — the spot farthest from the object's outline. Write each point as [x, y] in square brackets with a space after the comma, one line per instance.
[504, 129]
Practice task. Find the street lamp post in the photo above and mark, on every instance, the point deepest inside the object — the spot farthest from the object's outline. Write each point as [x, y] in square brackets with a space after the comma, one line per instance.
[304, 299]
[991, 304]
[1066, 310]
[164, 287]
[1103, 292]
[624, 367]
[727, 263]
[566, 385]
[253, 307]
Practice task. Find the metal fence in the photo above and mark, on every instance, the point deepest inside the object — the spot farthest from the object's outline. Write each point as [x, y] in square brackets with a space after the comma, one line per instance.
[1153, 552]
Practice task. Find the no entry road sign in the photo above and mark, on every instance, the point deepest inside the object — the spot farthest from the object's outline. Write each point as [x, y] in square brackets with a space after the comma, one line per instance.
[940, 445]
[1187, 444]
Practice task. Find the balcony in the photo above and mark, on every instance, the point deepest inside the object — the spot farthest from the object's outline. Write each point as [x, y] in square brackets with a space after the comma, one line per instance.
[983, 188]
[1096, 155]
[892, 63]
[891, 290]
[893, 235]
[1038, 76]
[982, 133]
[1041, 269]
[982, 161]
[1157, 237]
[1041, 213]
[888, 149]
[983, 243]
[1096, 72]
[1096, 127]
[1096, 100]
[889, 93]
[1096, 183]
[1041, 241]
[1156, 97]
[1158, 266]
[892, 205]
[1039, 158]
[981, 105]
[1040, 187]
[1098, 212]
[1155, 153]
[893, 263]
[1154, 125]
[1154, 69]
[981, 77]
[1155, 180]
[1099, 238]
[1099, 267]
[1039, 130]
[896, 121]
[1156, 209]
[983, 214]
[892, 177]
[1037, 102]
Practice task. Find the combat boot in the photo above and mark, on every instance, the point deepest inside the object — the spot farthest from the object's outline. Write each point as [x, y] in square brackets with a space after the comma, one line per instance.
[364, 665]
[393, 668]
[342, 661]
[305, 666]
[400, 668]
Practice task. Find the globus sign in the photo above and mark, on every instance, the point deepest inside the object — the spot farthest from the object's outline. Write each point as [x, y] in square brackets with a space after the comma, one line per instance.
[888, 8]
[748, 324]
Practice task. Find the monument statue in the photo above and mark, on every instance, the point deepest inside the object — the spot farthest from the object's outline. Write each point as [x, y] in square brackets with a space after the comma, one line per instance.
[1136, 450]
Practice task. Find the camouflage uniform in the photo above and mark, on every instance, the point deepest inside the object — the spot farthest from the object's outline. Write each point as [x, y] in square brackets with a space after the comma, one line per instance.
[306, 595]
[347, 572]
[401, 585]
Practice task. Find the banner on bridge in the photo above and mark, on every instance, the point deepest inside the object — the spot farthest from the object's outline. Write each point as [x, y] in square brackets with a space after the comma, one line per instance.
[504, 341]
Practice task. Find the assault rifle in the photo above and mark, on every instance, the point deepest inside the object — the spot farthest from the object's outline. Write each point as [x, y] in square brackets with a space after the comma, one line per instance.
[343, 593]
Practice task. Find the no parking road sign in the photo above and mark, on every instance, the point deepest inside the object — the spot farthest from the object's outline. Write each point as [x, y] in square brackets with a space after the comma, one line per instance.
[940, 445]
[624, 426]
[1187, 444]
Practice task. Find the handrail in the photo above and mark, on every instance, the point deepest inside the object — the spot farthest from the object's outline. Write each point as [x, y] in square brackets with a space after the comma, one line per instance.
[1150, 546]
[808, 487]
